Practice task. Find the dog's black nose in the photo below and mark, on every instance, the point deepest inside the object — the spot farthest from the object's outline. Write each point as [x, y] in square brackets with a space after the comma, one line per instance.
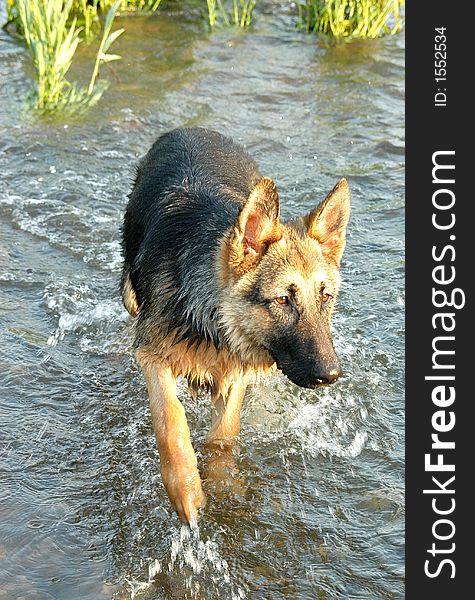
[331, 376]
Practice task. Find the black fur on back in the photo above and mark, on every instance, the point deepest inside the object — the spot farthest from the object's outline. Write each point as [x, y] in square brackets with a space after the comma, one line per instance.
[188, 191]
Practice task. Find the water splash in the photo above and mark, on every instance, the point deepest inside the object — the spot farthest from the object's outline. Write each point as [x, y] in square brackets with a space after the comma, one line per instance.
[193, 568]
[78, 308]
[322, 429]
[68, 322]
[84, 232]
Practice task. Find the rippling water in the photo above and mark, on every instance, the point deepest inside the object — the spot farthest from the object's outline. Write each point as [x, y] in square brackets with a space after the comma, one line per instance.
[316, 509]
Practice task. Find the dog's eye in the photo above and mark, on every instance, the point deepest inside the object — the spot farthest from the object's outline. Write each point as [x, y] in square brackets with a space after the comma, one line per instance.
[282, 300]
[326, 296]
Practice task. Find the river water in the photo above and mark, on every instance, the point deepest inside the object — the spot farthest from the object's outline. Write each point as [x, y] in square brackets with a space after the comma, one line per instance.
[317, 509]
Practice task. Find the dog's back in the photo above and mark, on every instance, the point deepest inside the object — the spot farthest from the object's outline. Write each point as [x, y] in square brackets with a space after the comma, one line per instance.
[185, 172]
[188, 191]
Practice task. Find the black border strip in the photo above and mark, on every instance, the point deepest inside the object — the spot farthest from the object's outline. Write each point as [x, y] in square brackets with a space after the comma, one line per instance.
[431, 127]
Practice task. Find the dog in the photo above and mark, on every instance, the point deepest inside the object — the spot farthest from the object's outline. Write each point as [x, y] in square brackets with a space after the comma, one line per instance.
[222, 291]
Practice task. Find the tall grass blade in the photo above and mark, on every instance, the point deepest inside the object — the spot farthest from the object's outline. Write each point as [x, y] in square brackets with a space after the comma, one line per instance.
[351, 18]
[52, 38]
[107, 40]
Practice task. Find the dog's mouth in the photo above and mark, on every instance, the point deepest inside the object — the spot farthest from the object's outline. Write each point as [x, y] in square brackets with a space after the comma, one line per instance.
[319, 383]
[303, 380]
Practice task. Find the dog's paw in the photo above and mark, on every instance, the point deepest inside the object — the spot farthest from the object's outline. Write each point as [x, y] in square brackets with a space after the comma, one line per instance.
[221, 473]
[183, 484]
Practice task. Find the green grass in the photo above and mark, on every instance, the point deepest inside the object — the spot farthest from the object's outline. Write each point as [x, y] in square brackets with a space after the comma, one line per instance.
[351, 18]
[52, 39]
[107, 40]
[54, 29]
[237, 13]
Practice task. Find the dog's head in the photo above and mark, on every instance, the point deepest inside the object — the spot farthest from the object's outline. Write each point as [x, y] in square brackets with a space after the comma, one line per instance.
[281, 282]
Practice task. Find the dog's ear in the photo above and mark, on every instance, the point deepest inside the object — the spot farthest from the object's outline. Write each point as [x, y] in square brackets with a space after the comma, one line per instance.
[327, 223]
[257, 224]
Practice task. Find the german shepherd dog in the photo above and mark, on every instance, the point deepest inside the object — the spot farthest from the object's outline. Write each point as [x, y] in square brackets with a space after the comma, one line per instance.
[222, 291]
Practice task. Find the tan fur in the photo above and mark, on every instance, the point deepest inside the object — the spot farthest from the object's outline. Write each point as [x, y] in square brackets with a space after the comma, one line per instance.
[129, 298]
[203, 365]
[316, 223]
[178, 463]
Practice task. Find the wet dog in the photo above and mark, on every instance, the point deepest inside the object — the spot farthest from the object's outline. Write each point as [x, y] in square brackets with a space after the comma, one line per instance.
[222, 291]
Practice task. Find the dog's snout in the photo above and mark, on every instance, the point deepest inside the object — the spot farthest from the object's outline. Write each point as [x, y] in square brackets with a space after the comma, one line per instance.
[309, 371]
[330, 377]
[326, 373]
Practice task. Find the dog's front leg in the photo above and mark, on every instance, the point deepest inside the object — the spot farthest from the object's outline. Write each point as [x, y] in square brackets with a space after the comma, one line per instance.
[178, 464]
[221, 441]
[226, 422]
